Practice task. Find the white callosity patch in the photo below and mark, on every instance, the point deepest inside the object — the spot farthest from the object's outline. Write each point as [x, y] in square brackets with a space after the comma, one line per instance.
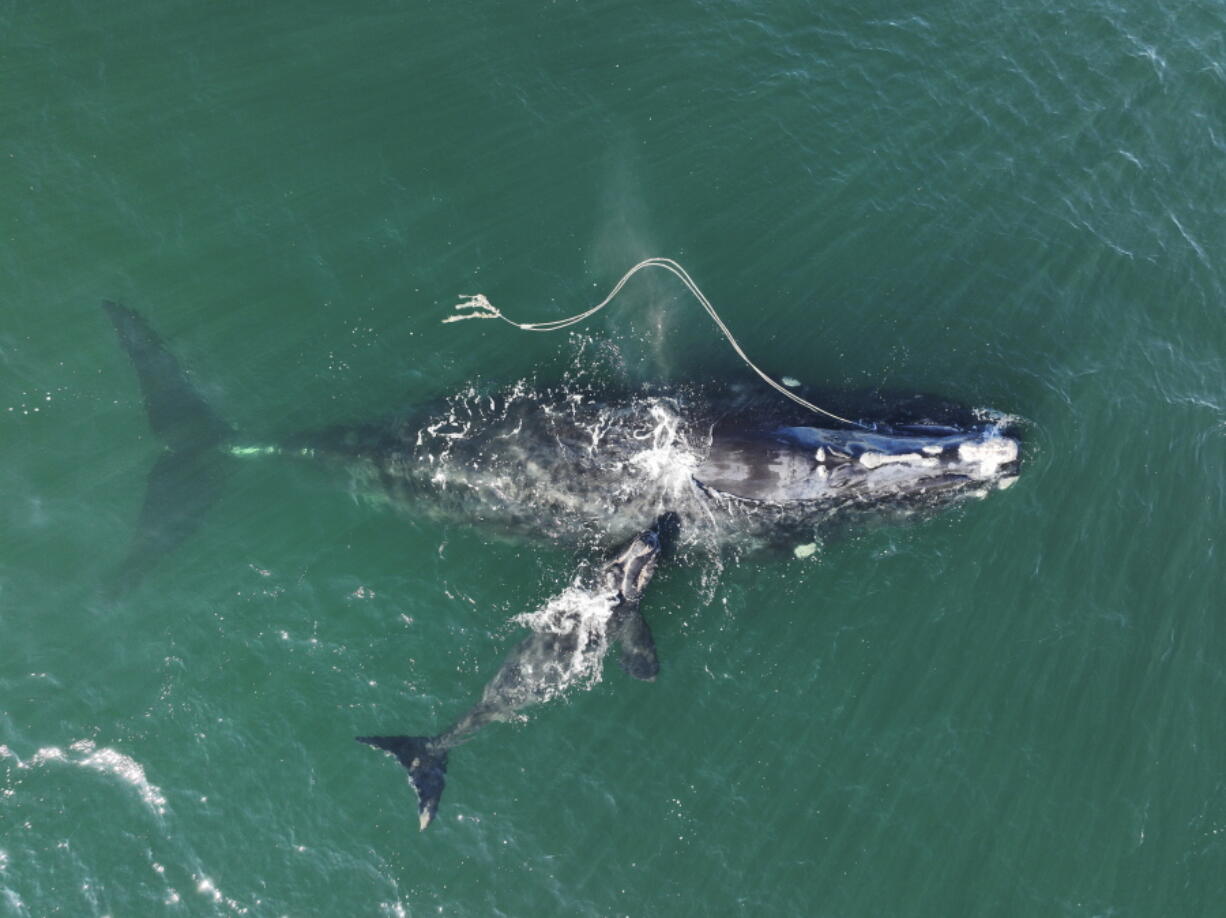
[989, 455]
[876, 460]
[979, 455]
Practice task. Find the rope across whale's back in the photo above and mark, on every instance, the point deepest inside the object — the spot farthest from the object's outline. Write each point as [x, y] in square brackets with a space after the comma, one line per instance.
[477, 306]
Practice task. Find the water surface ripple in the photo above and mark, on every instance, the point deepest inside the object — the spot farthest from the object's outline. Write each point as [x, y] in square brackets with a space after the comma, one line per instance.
[1012, 709]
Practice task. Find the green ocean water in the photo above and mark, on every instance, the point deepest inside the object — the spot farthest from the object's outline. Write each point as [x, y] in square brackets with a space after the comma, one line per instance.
[1014, 709]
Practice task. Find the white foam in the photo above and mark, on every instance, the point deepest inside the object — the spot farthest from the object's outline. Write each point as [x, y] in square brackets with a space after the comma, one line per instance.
[107, 761]
[999, 419]
[46, 754]
[206, 887]
[124, 767]
[584, 614]
[667, 460]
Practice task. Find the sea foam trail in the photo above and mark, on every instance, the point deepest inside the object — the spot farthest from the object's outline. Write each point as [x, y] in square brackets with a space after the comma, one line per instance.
[86, 754]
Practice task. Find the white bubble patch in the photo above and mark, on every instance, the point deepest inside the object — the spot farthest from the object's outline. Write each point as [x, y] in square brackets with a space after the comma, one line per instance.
[86, 754]
[669, 460]
[207, 888]
[583, 616]
[124, 767]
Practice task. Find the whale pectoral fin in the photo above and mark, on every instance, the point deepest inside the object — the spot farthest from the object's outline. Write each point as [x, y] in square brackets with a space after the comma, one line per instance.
[638, 649]
[632, 571]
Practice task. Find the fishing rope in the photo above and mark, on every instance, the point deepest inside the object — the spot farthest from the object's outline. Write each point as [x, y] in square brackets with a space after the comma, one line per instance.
[478, 307]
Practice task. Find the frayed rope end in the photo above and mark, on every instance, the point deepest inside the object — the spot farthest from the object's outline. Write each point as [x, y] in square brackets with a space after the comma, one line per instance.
[480, 306]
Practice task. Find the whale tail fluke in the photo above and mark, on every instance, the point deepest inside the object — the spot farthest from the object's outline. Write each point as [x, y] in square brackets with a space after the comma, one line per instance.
[178, 415]
[426, 762]
[184, 481]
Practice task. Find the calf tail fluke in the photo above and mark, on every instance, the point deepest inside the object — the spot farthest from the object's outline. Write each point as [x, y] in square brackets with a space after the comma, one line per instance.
[426, 762]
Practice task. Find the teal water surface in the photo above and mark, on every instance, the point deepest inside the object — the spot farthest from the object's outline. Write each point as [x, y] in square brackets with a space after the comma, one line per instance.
[1013, 709]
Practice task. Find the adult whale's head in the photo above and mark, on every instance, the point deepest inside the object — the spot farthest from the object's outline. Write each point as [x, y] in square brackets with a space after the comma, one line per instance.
[897, 465]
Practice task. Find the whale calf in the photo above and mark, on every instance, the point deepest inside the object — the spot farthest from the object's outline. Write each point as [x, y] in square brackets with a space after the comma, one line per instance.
[564, 649]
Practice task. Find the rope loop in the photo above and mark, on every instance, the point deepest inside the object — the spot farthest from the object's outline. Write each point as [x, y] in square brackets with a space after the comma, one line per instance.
[479, 307]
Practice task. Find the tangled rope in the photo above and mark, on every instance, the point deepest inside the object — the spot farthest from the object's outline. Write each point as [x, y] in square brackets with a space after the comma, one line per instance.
[478, 307]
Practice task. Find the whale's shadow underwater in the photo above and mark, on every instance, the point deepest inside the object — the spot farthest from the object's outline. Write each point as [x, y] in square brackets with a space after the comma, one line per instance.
[630, 475]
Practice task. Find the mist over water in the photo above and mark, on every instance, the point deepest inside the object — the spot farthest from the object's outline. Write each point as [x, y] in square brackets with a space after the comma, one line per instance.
[1012, 708]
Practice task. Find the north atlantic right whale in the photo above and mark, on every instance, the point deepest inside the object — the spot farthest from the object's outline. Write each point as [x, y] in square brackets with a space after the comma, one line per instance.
[584, 468]
[565, 647]
[578, 465]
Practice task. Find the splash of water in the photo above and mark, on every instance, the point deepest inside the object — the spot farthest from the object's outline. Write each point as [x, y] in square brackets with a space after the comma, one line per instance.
[85, 754]
[582, 617]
